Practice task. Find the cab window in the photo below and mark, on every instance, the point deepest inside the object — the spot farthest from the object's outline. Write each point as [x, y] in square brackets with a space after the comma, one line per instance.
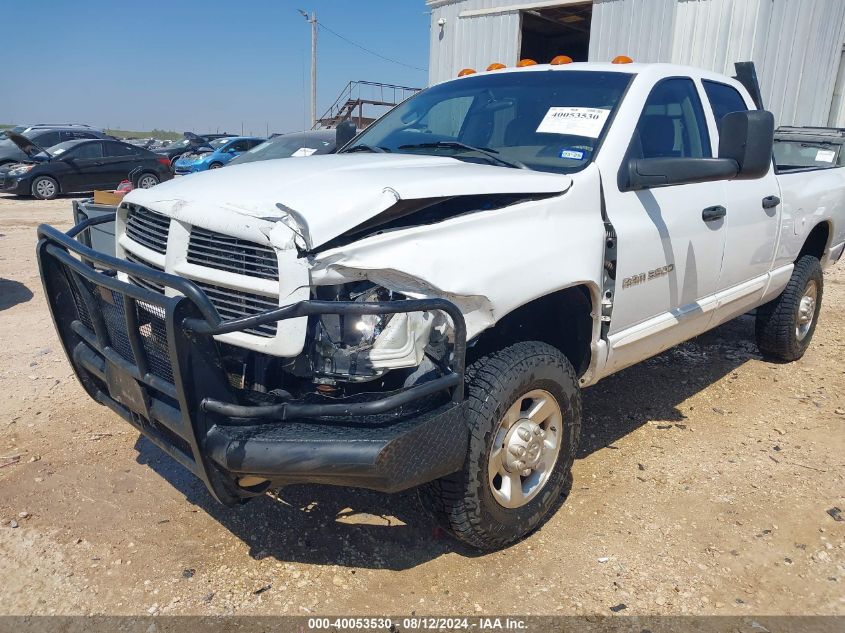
[723, 99]
[672, 123]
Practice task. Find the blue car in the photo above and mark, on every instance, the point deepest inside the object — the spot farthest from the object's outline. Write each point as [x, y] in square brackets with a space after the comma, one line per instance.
[215, 154]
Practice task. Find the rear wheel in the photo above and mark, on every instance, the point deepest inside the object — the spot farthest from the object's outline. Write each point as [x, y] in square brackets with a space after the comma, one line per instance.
[525, 422]
[45, 188]
[785, 326]
[147, 180]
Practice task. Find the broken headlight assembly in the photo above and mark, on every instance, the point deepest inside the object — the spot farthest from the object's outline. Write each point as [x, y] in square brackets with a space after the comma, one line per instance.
[359, 348]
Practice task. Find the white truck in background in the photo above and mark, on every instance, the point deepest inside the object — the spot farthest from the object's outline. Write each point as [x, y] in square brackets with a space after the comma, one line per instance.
[423, 308]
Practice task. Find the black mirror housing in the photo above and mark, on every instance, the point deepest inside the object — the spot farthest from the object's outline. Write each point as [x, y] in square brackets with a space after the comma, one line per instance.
[747, 137]
[645, 173]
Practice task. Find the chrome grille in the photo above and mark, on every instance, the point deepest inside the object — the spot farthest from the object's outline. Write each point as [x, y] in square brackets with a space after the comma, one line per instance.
[235, 304]
[232, 254]
[148, 228]
[139, 281]
[230, 304]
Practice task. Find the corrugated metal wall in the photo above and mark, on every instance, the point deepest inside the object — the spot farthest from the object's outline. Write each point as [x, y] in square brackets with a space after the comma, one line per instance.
[641, 29]
[801, 59]
[796, 44]
[471, 42]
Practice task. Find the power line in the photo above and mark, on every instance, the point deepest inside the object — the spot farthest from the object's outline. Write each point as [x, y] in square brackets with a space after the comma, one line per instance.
[367, 50]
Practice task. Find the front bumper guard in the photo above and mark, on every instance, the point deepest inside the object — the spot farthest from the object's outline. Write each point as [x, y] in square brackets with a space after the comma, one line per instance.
[152, 358]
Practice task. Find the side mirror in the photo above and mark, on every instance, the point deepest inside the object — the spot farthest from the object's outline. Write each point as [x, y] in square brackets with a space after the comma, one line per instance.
[748, 138]
[344, 133]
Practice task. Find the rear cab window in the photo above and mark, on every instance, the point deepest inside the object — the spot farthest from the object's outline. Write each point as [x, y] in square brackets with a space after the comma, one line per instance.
[724, 99]
[798, 154]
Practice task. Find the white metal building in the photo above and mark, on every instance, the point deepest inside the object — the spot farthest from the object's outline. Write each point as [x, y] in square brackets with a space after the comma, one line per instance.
[797, 45]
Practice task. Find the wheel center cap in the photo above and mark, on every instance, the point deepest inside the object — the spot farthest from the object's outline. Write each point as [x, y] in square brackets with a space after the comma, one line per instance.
[523, 447]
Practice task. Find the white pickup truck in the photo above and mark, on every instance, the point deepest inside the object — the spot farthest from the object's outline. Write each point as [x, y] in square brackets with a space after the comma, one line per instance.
[423, 308]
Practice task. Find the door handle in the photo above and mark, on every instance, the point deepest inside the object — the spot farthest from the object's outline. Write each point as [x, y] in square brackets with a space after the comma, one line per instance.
[711, 214]
[770, 201]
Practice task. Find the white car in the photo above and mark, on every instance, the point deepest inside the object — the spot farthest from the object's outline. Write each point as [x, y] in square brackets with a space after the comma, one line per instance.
[423, 308]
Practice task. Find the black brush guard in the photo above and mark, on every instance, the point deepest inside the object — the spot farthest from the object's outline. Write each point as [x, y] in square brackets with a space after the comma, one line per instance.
[152, 359]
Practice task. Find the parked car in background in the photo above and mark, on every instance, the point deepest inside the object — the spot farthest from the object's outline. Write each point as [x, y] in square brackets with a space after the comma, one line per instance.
[188, 142]
[44, 135]
[308, 143]
[80, 165]
[214, 154]
[809, 148]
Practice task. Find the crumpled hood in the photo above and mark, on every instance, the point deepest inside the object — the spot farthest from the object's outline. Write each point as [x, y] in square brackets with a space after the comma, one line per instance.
[334, 193]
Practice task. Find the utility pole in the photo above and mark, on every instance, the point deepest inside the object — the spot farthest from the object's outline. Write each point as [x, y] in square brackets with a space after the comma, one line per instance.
[312, 19]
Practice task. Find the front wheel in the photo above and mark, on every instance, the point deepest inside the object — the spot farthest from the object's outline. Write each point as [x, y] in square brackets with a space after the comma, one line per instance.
[215, 166]
[524, 421]
[785, 326]
[45, 188]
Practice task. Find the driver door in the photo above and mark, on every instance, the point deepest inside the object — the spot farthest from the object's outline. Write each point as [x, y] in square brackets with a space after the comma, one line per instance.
[86, 170]
[668, 255]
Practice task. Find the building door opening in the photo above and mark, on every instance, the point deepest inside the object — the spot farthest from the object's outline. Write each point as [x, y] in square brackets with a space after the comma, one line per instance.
[554, 31]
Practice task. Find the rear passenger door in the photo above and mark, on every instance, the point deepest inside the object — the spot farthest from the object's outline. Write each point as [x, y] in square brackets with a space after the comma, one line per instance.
[668, 256]
[752, 221]
[119, 160]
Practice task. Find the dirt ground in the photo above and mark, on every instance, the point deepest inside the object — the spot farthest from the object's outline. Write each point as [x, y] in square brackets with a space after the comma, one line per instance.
[702, 487]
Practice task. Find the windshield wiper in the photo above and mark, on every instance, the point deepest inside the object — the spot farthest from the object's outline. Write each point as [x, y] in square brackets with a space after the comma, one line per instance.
[366, 148]
[487, 151]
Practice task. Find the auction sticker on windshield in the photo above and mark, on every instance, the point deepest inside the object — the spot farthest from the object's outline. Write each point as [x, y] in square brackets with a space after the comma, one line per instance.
[574, 121]
[825, 155]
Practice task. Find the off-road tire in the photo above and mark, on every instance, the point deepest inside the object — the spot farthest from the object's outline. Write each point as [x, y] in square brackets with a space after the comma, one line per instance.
[777, 320]
[48, 193]
[462, 503]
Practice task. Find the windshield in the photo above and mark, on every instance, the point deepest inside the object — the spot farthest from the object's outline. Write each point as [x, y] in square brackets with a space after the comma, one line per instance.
[805, 154]
[547, 121]
[220, 142]
[287, 146]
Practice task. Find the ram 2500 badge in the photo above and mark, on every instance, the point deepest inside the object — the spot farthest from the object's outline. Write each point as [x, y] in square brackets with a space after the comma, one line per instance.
[424, 308]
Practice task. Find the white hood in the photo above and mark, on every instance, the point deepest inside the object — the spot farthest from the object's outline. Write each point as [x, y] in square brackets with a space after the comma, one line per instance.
[335, 193]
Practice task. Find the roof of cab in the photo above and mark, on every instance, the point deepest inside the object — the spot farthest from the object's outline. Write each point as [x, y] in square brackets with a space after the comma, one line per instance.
[648, 71]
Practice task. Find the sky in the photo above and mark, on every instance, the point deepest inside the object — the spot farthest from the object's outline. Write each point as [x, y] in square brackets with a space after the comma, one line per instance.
[199, 65]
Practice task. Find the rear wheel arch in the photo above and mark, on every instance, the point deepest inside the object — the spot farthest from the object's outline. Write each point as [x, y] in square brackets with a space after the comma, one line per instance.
[564, 319]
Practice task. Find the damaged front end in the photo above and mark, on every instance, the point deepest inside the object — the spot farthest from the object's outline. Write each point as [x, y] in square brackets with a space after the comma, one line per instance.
[375, 398]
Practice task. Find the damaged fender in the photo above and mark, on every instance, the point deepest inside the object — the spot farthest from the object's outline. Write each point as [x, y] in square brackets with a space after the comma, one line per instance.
[478, 260]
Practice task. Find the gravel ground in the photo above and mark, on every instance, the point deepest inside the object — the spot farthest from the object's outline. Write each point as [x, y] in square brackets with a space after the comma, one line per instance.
[704, 486]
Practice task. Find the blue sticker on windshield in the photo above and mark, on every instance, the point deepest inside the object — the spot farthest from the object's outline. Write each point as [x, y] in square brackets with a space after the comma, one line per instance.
[572, 154]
